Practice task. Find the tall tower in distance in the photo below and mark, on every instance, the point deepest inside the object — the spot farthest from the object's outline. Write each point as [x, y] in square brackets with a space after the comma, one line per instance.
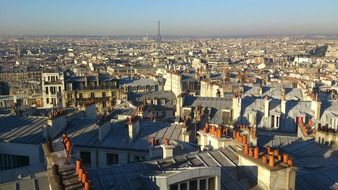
[159, 38]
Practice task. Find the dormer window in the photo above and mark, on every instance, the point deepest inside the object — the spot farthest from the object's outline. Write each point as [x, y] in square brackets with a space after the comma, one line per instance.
[274, 121]
[226, 116]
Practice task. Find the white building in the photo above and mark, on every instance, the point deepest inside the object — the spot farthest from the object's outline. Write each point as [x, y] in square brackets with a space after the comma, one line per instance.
[52, 89]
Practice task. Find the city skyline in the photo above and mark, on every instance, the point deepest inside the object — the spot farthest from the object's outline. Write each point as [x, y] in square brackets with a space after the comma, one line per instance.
[186, 18]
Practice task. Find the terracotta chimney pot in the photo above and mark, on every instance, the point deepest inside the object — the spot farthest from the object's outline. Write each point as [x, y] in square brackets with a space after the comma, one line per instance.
[244, 139]
[271, 161]
[256, 152]
[78, 166]
[285, 158]
[264, 159]
[250, 152]
[246, 149]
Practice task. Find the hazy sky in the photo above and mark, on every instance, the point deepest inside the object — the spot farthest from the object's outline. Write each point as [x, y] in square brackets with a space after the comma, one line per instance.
[178, 17]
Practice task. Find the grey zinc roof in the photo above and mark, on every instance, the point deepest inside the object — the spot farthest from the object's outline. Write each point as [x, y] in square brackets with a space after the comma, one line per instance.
[159, 94]
[214, 103]
[84, 132]
[275, 92]
[317, 168]
[317, 164]
[81, 131]
[137, 82]
[329, 110]
[293, 109]
[25, 129]
[127, 176]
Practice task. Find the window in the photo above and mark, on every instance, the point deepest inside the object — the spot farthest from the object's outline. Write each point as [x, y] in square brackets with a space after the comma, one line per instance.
[85, 157]
[203, 184]
[112, 158]
[136, 158]
[60, 89]
[212, 183]
[227, 116]
[272, 121]
[183, 186]
[92, 95]
[46, 90]
[193, 185]
[47, 100]
[174, 187]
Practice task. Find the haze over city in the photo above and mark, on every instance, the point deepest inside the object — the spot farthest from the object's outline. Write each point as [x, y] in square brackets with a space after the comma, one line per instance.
[168, 95]
[187, 17]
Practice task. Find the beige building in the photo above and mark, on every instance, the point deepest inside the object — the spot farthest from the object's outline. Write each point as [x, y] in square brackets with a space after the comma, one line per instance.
[102, 89]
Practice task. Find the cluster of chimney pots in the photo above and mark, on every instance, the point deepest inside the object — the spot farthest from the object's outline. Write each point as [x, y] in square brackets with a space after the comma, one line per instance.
[236, 133]
[218, 132]
[155, 142]
[269, 158]
[57, 113]
[82, 175]
[325, 128]
[305, 127]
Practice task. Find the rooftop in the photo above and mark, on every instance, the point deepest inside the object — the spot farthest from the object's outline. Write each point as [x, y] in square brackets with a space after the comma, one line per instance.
[22, 129]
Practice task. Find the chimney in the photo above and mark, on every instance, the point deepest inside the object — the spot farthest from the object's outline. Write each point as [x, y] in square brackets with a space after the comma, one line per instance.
[264, 159]
[269, 149]
[246, 149]
[290, 163]
[285, 158]
[179, 104]
[86, 80]
[256, 153]
[259, 90]
[166, 141]
[97, 79]
[271, 161]
[236, 106]
[153, 141]
[133, 128]
[213, 130]
[266, 106]
[206, 128]
[250, 152]
[315, 107]
[219, 133]
[168, 149]
[283, 106]
[86, 185]
[244, 139]
[78, 166]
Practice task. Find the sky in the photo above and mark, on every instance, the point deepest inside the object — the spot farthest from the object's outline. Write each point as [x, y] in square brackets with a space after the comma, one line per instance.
[178, 17]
